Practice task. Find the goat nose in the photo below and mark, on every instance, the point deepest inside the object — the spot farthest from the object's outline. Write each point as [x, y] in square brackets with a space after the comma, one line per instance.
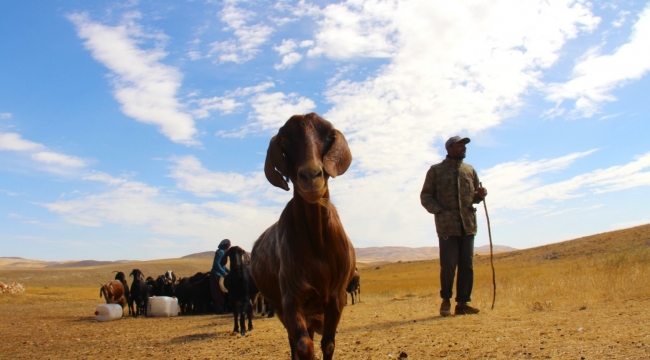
[310, 173]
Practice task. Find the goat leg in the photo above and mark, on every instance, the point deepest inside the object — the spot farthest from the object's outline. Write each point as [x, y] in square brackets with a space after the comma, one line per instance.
[331, 321]
[302, 346]
[242, 319]
[250, 313]
[235, 313]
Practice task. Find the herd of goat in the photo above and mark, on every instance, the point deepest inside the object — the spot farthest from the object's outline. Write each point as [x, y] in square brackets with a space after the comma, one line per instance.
[303, 263]
[194, 293]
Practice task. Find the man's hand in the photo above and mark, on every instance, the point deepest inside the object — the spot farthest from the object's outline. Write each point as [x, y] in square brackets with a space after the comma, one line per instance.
[482, 192]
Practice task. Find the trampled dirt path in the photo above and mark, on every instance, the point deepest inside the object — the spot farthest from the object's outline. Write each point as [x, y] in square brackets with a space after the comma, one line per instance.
[42, 327]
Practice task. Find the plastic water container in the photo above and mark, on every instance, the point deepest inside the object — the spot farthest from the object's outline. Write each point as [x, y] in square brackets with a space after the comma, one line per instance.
[174, 311]
[108, 312]
[162, 306]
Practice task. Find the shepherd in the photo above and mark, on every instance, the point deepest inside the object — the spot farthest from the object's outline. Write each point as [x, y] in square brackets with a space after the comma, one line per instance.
[449, 192]
[217, 273]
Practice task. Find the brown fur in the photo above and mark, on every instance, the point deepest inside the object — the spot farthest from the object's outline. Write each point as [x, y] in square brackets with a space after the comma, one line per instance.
[113, 292]
[303, 263]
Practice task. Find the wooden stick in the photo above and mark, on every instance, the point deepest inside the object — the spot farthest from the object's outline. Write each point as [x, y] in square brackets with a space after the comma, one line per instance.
[494, 281]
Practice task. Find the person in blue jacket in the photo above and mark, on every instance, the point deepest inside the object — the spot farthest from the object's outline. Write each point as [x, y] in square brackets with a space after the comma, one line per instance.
[217, 272]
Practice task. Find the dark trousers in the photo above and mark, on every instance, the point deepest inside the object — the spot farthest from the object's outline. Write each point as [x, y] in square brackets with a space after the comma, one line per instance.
[457, 252]
[218, 297]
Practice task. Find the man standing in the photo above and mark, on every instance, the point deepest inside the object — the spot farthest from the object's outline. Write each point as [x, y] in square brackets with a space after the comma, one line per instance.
[449, 192]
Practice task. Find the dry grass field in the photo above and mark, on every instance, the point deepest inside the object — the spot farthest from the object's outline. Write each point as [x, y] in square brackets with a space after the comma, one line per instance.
[587, 298]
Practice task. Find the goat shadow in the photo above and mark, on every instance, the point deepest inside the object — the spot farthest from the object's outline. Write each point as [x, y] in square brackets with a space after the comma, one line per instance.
[194, 337]
[390, 324]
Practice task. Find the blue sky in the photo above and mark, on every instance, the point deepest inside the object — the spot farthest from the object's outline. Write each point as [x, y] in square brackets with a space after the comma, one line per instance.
[138, 129]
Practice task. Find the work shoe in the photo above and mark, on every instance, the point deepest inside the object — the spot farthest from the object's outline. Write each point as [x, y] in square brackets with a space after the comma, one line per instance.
[445, 307]
[465, 309]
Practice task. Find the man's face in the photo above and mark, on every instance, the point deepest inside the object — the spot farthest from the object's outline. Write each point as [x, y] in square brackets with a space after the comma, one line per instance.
[457, 150]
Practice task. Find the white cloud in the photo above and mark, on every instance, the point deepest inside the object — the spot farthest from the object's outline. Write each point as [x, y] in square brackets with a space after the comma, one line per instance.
[246, 91]
[103, 177]
[224, 104]
[517, 185]
[145, 87]
[597, 75]
[290, 57]
[622, 18]
[5, 116]
[137, 205]
[306, 43]
[288, 61]
[357, 28]
[53, 158]
[287, 46]
[457, 69]
[452, 68]
[272, 110]
[629, 224]
[248, 38]
[14, 142]
[194, 55]
[193, 177]
[38, 152]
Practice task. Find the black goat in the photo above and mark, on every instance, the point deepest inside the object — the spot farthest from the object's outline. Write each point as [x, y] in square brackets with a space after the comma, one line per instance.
[162, 286]
[140, 292]
[354, 288]
[182, 294]
[241, 288]
[193, 293]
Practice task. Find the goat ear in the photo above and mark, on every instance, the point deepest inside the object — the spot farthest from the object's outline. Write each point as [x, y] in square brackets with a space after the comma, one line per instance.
[338, 158]
[275, 166]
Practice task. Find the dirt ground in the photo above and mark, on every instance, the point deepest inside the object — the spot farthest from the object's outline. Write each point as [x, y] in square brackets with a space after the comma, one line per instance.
[47, 325]
[582, 299]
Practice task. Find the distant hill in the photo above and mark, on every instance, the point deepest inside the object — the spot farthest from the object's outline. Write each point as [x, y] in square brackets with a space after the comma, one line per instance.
[365, 256]
[204, 254]
[18, 262]
[495, 249]
[83, 263]
[617, 243]
[389, 254]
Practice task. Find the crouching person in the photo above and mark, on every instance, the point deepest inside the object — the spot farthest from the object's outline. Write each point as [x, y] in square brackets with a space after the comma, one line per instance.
[218, 271]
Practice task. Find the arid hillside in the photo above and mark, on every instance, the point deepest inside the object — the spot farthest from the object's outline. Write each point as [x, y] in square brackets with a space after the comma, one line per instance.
[584, 298]
[365, 257]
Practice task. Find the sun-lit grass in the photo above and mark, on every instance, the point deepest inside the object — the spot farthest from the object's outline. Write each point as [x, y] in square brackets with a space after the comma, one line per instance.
[583, 298]
[533, 280]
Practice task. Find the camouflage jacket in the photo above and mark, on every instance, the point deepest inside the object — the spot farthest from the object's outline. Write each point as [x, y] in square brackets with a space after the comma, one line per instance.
[449, 192]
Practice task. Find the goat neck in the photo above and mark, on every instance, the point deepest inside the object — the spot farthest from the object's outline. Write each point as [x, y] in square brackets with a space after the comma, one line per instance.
[316, 225]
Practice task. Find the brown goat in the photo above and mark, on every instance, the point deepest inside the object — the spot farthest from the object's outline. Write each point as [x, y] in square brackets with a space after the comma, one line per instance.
[302, 263]
[113, 292]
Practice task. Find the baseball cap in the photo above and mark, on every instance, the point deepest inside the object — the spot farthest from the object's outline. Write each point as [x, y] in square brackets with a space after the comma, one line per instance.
[455, 139]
